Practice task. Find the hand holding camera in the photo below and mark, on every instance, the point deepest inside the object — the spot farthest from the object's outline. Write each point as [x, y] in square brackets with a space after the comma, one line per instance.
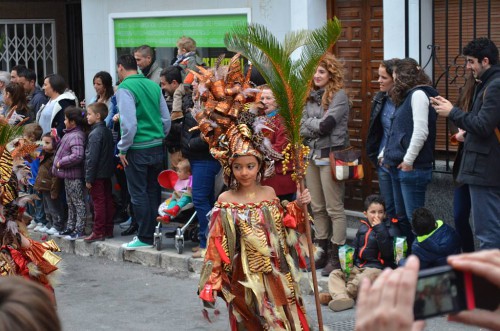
[470, 281]
[486, 265]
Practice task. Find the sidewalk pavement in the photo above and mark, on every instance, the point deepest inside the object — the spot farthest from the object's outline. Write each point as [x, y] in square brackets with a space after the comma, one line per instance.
[167, 258]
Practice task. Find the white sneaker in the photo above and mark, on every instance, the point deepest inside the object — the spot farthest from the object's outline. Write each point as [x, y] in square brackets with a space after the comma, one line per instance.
[53, 231]
[126, 224]
[44, 229]
[38, 227]
[32, 225]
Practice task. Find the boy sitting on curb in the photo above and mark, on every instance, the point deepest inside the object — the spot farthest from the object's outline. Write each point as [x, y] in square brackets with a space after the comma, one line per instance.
[435, 240]
[373, 252]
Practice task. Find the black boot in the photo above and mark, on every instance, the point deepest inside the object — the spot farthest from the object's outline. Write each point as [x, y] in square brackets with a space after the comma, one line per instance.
[333, 260]
[132, 229]
[323, 258]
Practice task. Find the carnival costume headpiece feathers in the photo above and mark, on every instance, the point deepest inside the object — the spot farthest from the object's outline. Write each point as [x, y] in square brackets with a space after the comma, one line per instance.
[35, 261]
[229, 118]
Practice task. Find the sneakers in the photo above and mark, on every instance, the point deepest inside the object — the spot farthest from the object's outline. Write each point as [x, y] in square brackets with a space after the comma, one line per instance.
[163, 219]
[32, 225]
[325, 298]
[65, 233]
[44, 229]
[341, 302]
[173, 211]
[38, 227]
[53, 231]
[126, 224]
[74, 236]
[135, 244]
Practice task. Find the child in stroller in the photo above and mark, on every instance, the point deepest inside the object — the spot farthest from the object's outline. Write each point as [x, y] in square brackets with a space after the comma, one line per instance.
[179, 206]
[181, 196]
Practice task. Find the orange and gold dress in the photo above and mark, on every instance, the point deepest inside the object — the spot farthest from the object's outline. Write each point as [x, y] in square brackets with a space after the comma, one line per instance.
[252, 262]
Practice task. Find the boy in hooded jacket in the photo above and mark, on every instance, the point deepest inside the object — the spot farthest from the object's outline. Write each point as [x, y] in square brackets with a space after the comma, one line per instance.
[435, 240]
[373, 252]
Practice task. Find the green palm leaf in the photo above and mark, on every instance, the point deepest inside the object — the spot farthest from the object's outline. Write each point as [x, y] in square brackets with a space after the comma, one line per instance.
[9, 132]
[289, 80]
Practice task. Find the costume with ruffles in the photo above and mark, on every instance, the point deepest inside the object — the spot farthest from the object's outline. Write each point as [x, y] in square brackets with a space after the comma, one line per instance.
[252, 262]
[20, 255]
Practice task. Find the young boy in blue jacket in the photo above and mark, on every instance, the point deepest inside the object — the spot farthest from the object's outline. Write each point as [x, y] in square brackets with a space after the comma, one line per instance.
[435, 240]
[373, 251]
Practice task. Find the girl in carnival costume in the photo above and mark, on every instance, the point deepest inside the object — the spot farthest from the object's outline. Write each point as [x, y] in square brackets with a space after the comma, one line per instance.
[253, 254]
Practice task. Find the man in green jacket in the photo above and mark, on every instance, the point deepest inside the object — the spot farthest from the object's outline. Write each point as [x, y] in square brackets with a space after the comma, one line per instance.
[144, 123]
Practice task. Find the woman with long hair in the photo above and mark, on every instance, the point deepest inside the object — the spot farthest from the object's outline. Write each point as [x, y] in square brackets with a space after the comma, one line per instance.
[324, 127]
[378, 132]
[15, 99]
[409, 151]
[461, 194]
[103, 85]
[51, 115]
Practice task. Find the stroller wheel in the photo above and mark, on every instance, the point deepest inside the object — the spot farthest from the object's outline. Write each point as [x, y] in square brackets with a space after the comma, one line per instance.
[179, 245]
[158, 243]
[179, 241]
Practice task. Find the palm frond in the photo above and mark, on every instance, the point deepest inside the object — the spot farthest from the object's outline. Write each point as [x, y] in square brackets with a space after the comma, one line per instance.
[289, 80]
[294, 40]
[8, 132]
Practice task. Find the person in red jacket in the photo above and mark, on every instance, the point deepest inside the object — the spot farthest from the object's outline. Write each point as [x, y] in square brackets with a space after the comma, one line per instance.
[282, 181]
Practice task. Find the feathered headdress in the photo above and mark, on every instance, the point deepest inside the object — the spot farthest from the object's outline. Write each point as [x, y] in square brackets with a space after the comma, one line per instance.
[229, 119]
[8, 182]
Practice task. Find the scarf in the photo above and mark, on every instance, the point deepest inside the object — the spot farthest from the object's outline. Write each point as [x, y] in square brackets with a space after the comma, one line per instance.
[317, 95]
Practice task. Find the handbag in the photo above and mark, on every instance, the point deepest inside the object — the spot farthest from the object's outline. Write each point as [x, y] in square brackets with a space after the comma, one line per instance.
[346, 164]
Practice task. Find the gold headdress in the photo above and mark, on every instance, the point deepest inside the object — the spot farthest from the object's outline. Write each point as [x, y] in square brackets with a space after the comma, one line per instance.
[8, 182]
[229, 118]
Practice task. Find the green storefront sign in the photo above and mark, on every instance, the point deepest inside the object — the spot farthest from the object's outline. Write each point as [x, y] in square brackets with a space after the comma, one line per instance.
[208, 31]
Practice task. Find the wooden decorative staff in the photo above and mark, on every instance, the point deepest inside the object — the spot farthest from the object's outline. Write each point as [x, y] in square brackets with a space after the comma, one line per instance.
[291, 81]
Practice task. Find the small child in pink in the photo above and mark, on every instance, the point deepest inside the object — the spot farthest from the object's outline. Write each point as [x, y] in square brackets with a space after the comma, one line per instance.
[182, 192]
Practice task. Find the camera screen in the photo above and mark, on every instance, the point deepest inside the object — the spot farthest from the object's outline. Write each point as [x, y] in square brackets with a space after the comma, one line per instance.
[438, 294]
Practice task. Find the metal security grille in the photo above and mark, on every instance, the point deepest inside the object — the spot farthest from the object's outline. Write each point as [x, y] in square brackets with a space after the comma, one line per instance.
[31, 43]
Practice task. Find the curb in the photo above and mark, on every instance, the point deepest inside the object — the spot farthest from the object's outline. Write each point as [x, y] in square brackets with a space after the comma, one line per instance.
[111, 249]
[167, 258]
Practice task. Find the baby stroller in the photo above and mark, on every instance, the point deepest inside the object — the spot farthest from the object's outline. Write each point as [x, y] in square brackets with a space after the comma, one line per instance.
[178, 228]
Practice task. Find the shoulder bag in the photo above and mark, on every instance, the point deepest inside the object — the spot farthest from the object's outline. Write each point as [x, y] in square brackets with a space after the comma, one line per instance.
[346, 164]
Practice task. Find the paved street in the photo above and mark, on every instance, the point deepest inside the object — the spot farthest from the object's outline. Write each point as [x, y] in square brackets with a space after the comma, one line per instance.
[98, 294]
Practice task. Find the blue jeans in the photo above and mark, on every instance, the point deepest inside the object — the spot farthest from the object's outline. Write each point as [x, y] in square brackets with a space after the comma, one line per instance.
[461, 215]
[37, 211]
[486, 215]
[409, 194]
[204, 173]
[385, 185]
[144, 166]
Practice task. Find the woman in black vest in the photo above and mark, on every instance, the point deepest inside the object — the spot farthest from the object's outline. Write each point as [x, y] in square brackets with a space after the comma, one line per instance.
[409, 152]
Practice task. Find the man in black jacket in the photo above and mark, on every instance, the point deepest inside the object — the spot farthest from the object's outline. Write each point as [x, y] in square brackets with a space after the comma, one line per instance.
[179, 100]
[204, 169]
[34, 94]
[481, 154]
